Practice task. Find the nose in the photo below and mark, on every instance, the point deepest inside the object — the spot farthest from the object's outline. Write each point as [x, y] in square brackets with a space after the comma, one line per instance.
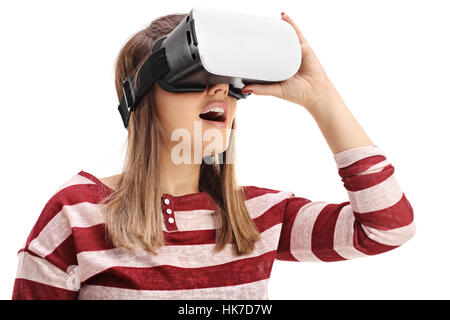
[213, 89]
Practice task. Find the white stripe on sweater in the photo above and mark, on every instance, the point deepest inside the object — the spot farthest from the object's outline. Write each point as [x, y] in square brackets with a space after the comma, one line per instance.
[51, 236]
[84, 214]
[393, 237]
[206, 219]
[40, 270]
[302, 228]
[347, 157]
[247, 291]
[380, 196]
[260, 204]
[185, 256]
[343, 235]
[194, 220]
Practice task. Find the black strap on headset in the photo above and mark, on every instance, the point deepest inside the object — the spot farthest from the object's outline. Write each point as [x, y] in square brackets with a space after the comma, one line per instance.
[154, 68]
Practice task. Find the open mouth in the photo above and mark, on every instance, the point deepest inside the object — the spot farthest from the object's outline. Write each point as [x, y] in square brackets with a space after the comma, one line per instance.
[214, 114]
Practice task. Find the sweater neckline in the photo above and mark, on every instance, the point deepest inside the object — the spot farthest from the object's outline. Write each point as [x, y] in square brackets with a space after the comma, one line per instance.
[178, 198]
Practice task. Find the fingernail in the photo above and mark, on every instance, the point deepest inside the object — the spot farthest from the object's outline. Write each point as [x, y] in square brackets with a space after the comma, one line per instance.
[282, 13]
[247, 91]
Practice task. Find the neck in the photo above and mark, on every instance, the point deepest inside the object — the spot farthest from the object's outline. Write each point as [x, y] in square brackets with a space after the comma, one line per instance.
[177, 179]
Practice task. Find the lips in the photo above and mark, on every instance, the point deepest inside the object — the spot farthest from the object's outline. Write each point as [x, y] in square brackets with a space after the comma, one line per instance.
[216, 111]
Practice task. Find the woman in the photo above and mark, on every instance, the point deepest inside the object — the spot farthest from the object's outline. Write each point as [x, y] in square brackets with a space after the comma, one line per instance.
[170, 229]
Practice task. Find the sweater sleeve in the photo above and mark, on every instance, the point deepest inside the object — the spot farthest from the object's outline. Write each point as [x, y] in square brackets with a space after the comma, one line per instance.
[47, 266]
[377, 218]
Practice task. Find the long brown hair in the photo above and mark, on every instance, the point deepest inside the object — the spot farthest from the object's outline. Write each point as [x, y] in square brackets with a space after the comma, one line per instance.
[133, 211]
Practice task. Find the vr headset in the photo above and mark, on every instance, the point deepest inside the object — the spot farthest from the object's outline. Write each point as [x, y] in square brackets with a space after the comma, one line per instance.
[212, 46]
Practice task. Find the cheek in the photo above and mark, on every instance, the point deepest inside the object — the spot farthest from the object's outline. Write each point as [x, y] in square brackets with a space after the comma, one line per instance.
[175, 114]
[180, 118]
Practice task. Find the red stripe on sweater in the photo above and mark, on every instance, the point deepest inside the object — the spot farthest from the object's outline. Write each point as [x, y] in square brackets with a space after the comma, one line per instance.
[322, 239]
[253, 191]
[62, 258]
[399, 215]
[166, 277]
[105, 190]
[284, 244]
[91, 238]
[64, 255]
[357, 183]
[196, 201]
[271, 217]
[360, 166]
[366, 245]
[31, 290]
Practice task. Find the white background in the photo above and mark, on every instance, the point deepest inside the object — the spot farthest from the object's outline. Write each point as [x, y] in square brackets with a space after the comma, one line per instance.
[388, 59]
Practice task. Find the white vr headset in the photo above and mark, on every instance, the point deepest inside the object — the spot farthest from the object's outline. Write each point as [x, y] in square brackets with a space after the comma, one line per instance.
[212, 46]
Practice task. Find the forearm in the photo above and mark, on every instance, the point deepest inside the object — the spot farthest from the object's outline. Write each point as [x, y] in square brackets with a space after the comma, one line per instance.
[336, 122]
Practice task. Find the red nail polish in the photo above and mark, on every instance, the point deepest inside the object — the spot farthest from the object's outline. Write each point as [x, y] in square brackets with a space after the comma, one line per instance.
[282, 13]
[247, 91]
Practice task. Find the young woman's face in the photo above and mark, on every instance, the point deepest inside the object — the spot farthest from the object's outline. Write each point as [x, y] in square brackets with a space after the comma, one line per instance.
[180, 116]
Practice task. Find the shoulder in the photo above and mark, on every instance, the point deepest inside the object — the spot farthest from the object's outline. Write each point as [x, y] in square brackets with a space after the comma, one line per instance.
[253, 192]
[261, 199]
[262, 202]
[80, 188]
[51, 237]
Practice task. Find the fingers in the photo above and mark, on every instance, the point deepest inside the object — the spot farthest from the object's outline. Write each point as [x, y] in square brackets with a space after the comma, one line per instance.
[288, 19]
[273, 89]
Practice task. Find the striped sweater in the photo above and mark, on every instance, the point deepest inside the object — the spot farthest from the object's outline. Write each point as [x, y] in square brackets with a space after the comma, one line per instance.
[66, 255]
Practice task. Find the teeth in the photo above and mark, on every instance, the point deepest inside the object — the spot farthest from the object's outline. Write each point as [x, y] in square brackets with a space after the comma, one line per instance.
[215, 109]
